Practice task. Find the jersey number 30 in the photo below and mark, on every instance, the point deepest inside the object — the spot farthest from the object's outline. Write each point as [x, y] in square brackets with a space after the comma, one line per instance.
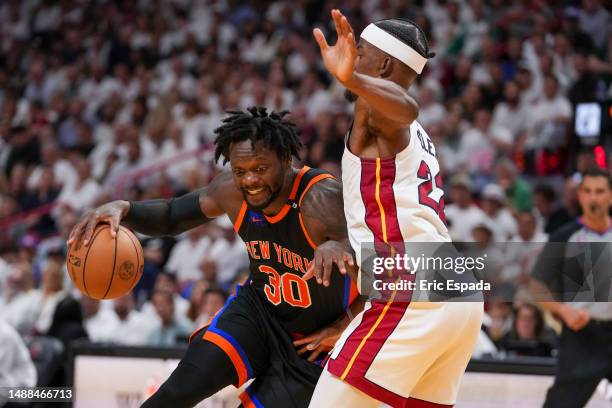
[282, 288]
[427, 187]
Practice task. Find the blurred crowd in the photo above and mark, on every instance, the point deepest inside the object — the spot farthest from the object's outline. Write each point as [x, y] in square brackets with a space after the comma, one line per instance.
[106, 99]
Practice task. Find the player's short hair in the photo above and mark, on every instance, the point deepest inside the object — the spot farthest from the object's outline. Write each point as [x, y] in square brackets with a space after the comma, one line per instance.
[408, 32]
[256, 124]
[597, 172]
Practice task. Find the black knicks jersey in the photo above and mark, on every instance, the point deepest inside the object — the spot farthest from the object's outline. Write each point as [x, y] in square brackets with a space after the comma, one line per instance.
[280, 252]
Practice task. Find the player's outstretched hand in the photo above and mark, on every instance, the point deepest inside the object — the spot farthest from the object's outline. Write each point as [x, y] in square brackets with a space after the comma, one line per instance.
[110, 213]
[321, 341]
[326, 255]
[339, 59]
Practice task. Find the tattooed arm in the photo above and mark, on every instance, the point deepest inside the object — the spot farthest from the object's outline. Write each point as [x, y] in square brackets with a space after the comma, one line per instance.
[323, 215]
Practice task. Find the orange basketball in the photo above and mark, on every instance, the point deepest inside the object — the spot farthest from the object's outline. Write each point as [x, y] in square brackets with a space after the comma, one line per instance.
[107, 268]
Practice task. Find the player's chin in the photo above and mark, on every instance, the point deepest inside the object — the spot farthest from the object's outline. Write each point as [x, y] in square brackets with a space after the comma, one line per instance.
[259, 201]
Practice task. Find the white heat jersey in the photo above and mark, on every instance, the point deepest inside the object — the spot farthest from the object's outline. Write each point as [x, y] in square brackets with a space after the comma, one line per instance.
[397, 199]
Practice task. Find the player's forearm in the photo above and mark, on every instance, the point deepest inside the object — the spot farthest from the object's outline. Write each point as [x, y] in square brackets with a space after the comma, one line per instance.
[388, 98]
[165, 217]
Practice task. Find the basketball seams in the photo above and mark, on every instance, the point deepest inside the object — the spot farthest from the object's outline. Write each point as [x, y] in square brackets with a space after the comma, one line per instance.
[122, 264]
[110, 282]
[93, 239]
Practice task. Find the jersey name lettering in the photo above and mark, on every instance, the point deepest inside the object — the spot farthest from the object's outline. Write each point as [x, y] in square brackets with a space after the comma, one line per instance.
[426, 144]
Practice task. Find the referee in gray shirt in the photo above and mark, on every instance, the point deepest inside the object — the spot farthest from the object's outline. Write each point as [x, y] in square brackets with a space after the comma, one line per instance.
[572, 279]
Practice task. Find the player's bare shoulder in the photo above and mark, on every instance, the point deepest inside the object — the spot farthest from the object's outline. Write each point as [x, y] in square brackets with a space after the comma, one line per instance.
[371, 135]
[221, 196]
[322, 208]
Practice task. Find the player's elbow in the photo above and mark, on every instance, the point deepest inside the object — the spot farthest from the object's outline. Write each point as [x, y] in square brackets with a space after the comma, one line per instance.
[404, 112]
[411, 109]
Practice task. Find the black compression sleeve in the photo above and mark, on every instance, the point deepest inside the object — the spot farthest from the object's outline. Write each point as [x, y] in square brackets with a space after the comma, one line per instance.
[166, 217]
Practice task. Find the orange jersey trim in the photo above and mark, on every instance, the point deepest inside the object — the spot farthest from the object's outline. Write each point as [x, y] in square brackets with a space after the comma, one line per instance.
[240, 217]
[296, 184]
[312, 244]
[246, 400]
[199, 330]
[353, 292]
[231, 352]
[313, 181]
[310, 184]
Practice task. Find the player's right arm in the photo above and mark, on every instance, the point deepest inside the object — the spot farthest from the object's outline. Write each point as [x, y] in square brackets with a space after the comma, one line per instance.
[161, 217]
[385, 97]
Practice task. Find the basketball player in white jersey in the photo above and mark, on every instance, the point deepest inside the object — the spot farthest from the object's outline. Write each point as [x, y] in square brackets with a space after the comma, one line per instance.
[404, 354]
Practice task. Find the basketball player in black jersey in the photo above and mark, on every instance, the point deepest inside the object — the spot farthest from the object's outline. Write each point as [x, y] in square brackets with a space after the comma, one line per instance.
[291, 220]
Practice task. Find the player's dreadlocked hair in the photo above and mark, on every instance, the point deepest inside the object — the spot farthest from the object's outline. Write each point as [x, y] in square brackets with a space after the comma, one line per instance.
[256, 124]
[407, 32]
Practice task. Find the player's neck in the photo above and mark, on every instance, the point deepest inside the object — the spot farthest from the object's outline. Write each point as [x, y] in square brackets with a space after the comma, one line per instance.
[596, 223]
[277, 205]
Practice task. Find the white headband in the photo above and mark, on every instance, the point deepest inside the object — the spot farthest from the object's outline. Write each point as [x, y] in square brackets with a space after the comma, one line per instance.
[394, 47]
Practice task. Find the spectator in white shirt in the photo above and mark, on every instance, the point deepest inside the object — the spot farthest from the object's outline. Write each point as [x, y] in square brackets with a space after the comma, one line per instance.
[528, 229]
[50, 294]
[133, 327]
[194, 125]
[523, 250]
[431, 111]
[170, 329]
[100, 323]
[529, 91]
[167, 282]
[187, 255]
[213, 300]
[480, 143]
[449, 151]
[462, 215]
[549, 117]
[63, 171]
[172, 147]
[196, 299]
[510, 113]
[19, 303]
[130, 161]
[227, 252]
[494, 204]
[595, 20]
[16, 366]
[86, 190]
